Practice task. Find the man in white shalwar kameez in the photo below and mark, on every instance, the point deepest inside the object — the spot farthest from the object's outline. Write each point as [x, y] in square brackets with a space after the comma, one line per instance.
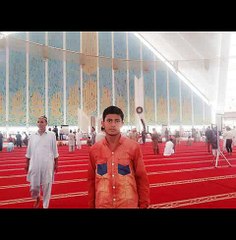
[71, 141]
[42, 159]
[169, 148]
[78, 137]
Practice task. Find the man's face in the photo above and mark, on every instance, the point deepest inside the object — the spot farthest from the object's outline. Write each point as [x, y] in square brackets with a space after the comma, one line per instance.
[112, 124]
[41, 123]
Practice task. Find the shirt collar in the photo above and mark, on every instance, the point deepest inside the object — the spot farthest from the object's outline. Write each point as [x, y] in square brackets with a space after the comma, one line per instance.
[43, 133]
[121, 140]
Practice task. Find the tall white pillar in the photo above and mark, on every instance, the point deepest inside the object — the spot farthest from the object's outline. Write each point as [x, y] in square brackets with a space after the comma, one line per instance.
[223, 73]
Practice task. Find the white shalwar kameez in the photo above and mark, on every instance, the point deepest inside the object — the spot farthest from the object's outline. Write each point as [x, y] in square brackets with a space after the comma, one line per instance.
[169, 148]
[78, 136]
[42, 149]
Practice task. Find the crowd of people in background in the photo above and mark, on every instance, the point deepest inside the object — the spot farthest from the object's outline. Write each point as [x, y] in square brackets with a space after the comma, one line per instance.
[76, 138]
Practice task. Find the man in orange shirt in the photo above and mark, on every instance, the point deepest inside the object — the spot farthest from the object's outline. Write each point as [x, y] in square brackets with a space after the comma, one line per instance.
[117, 176]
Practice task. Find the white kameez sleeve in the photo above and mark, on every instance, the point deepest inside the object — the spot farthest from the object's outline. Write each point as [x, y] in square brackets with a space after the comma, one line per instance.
[28, 152]
[54, 147]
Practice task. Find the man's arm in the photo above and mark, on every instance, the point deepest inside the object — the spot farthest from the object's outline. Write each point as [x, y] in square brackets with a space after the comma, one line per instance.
[141, 179]
[91, 181]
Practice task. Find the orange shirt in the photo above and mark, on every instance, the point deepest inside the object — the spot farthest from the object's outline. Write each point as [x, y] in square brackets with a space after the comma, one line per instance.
[117, 179]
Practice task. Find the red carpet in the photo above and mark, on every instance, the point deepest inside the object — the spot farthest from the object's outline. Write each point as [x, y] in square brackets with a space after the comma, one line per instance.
[187, 179]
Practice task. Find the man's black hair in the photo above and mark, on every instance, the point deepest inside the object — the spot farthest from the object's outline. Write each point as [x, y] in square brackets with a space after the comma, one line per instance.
[112, 110]
[44, 117]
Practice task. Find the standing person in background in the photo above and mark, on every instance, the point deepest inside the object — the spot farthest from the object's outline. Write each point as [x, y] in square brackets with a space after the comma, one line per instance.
[177, 136]
[55, 130]
[134, 135]
[117, 177]
[144, 136]
[93, 135]
[1, 141]
[155, 137]
[61, 134]
[167, 134]
[42, 161]
[228, 136]
[209, 135]
[18, 140]
[78, 137]
[25, 140]
[214, 144]
[71, 141]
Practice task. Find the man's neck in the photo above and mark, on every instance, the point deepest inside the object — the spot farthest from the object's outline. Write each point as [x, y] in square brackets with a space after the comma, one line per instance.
[113, 141]
[41, 132]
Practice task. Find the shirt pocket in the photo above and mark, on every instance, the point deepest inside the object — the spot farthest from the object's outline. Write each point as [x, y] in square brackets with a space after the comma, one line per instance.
[102, 167]
[123, 169]
[124, 165]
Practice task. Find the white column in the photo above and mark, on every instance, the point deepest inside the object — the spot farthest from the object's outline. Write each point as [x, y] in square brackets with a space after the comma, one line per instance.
[27, 80]
[46, 77]
[7, 85]
[64, 77]
[155, 91]
[139, 94]
[127, 77]
[223, 72]
[180, 103]
[98, 92]
[204, 112]
[81, 75]
[168, 97]
[113, 75]
[192, 109]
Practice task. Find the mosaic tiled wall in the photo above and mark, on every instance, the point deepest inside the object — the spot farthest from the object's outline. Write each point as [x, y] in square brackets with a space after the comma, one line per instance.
[36, 89]
[3, 87]
[207, 110]
[197, 110]
[135, 71]
[174, 99]
[105, 71]
[148, 84]
[70, 85]
[55, 82]
[186, 98]
[89, 47]
[120, 74]
[73, 81]
[17, 88]
[161, 95]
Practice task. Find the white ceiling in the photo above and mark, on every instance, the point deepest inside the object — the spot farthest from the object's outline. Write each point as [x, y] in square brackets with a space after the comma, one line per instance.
[202, 58]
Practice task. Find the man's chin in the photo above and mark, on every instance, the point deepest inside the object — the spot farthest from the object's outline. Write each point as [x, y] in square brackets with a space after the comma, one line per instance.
[113, 133]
